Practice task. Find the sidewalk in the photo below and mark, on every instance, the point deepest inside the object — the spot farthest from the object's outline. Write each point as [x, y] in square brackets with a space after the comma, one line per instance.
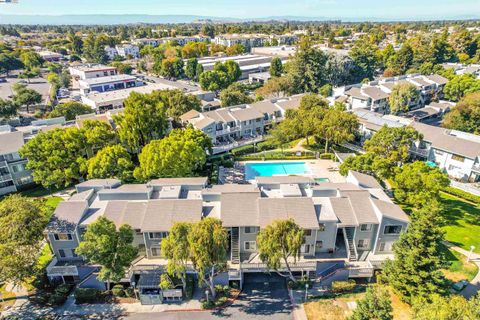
[474, 286]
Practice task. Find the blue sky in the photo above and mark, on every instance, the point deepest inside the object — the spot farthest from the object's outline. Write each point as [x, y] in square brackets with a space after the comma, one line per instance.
[396, 9]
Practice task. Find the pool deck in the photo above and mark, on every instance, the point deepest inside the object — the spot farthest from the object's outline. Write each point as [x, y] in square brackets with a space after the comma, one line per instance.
[319, 168]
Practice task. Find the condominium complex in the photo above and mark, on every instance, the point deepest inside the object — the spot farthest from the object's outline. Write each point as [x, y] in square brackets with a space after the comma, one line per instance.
[353, 222]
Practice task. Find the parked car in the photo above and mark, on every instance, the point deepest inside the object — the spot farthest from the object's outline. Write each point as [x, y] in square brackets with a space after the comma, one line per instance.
[3, 80]
[460, 285]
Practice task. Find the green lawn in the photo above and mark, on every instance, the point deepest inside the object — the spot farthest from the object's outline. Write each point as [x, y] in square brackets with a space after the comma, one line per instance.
[462, 222]
[459, 268]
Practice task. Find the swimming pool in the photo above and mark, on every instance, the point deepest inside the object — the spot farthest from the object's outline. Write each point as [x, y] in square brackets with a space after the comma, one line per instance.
[268, 169]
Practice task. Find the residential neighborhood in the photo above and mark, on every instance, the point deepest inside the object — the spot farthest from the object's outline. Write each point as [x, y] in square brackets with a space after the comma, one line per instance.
[252, 160]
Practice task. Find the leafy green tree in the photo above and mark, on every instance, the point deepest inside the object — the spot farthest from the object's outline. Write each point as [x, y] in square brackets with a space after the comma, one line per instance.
[182, 153]
[231, 69]
[234, 95]
[172, 68]
[278, 242]
[364, 56]
[363, 163]
[276, 67]
[310, 101]
[176, 248]
[461, 85]
[325, 90]
[235, 49]
[29, 74]
[97, 135]
[111, 162]
[56, 157]
[392, 144]
[191, 68]
[337, 126]
[415, 270]
[8, 108]
[24, 96]
[375, 306]
[20, 246]
[208, 242]
[94, 48]
[70, 110]
[75, 43]
[465, 116]
[402, 96]
[417, 184]
[402, 60]
[176, 102]
[447, 308]
[214, 80]
[108, 247]
[277, 87]
[143, 120]
[9, 62]
[31, 60]
[123, 68]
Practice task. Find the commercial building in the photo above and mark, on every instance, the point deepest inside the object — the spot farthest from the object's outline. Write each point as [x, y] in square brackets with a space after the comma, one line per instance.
[108, 83]
[353, 224]
[89, 71]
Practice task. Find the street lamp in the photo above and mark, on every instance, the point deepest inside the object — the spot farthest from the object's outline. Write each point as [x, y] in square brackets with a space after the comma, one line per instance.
[306, 292]
[470, 253]
[206, 293]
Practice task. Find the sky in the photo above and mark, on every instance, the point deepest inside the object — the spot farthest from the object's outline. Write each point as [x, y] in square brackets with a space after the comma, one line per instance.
[358, 9]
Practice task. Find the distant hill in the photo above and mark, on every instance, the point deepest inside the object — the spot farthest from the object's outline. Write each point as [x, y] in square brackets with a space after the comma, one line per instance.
[108, 19]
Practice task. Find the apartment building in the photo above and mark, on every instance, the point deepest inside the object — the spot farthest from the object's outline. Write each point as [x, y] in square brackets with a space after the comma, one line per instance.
[227, 126]
[50, 56]
[254, 40]
[13, 172]
[454, 152]
[91, 70]
[353, 222]
[374, 95]
[128, 50]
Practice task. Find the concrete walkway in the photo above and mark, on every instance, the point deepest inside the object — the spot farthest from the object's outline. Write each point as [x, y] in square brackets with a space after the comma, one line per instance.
[474, 286]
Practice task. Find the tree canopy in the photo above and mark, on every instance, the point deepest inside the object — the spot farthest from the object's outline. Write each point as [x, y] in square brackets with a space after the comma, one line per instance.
[8, 108]
[465, 116]
[447, 308]
[182, 153]
[402, 96]
[234, 95]
[276, 67]
[24, 96]
[109, 247]
[111, 162]
[70, 110]
[176, 102]
[375, 306]
[461, 85]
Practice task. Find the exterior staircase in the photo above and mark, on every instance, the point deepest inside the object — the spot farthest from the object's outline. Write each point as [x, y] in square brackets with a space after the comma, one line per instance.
[235, 246]
[351, 245]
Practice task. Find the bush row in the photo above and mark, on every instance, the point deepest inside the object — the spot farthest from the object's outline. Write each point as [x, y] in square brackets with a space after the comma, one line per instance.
[463, 194]
[343, 286]
[59, 295]
[261, 146]
[88, 295]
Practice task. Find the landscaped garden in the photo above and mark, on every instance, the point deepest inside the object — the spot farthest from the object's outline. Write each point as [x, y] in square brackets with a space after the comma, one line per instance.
[457, 267]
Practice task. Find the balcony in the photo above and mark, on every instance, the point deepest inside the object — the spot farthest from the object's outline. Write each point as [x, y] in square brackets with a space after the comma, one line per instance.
[61, 268]
[227, 147]
[261, 267]
[476, 168]
[5, 177]
[360, 270]
[420, 151]
[3, 163]
[227, 130]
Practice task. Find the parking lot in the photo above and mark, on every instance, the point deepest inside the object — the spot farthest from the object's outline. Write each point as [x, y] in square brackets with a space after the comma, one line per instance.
[263, 297]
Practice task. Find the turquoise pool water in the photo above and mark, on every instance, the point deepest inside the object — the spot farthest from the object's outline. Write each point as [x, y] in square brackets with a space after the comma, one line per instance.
[269, 169]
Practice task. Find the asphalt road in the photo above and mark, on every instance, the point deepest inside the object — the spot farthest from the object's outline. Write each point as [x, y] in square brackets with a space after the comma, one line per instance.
[38, 84]
[263, 297]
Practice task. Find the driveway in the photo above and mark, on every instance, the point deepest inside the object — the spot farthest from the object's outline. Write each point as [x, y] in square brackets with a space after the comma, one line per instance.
[263, 297]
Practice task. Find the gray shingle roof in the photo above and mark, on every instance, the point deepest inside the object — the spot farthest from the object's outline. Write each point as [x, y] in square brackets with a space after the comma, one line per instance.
[67, 215]
[126, 212]
[344, 212]
[361, 203]
[193, 181]
[160, 215]
[231, 188]
[246, 114]
[365, 180]
[10, 142]
[375, 93]
[100, 183]
[302, 210]
[391, 210]
[438, 79]
[283, 179]
[239, 209]
[265, 106]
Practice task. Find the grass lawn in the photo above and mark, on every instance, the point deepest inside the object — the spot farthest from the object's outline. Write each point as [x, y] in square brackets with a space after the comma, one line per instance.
[338, 308]
[462, 222]
[7, 299]
[459, 269]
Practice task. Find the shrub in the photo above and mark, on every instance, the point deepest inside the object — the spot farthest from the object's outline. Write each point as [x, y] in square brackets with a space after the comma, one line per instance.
[87, 295]
[208, 304]
[118, 291]
[129, 292]
[60, 295]
[242, 150]
[343, 286]
[221, 301]
[463, 194]
[327, 156]
[266, 145]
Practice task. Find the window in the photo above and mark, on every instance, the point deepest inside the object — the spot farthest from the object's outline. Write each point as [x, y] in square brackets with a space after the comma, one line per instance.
[439, 153]
[74, 254]
[363, 243]
[250, 229]
[63, 236]
[250, 245]
[61, 253]
[392, 230]
[105, 73]
[365, 227]
[321, 227]
[319, 244]
[157, 235]
[458, 158]
[305, 248]
[307, 232]
[452, 167]
[155, 252]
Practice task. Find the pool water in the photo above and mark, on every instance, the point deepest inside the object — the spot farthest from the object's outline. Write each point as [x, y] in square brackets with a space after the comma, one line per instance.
[268, 169]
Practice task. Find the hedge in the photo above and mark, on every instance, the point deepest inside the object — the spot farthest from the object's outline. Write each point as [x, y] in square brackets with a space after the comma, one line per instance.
[60, 295]
[118, 291]
[190, 286]
[87, 295]
[343, 286]
[462, 194]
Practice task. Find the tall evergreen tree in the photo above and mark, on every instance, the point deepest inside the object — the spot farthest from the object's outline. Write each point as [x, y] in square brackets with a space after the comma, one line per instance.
[375, 306]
